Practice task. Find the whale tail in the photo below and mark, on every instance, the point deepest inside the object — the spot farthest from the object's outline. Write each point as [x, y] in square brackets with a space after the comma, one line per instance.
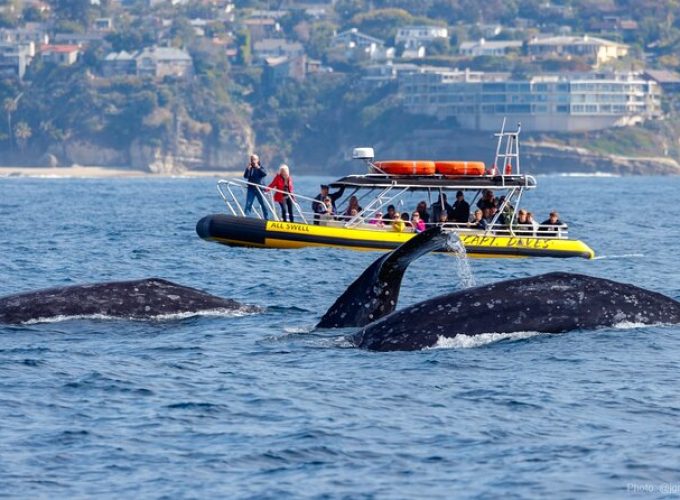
[374, 294]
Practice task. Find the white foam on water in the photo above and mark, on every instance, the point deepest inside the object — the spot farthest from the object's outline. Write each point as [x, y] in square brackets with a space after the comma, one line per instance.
[462, 341]
[622, 256]
[631, 325]
[225, 313]
[587, 174]
[294, 330]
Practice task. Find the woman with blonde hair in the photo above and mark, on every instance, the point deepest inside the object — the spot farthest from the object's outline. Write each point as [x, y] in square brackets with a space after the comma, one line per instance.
[283, 183]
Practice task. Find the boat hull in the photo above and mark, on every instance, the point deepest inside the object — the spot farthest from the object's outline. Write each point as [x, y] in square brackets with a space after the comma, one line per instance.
[250, 232]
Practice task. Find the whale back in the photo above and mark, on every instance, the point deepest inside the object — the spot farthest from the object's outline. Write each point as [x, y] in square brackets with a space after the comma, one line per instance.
[138, 299]
[550, 303]
[375, 293]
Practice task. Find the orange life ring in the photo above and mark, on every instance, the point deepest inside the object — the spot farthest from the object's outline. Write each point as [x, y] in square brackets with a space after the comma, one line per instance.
[460, 167]
[406, 167]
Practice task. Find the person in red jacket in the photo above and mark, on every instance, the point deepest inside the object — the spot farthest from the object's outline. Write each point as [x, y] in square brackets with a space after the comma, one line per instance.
[283, 183]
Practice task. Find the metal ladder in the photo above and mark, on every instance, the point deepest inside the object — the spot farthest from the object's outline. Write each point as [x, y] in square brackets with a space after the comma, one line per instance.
[507, 157]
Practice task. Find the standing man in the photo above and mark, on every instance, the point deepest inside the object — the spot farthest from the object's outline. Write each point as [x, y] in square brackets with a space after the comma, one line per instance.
[461, 209]
[254, 174]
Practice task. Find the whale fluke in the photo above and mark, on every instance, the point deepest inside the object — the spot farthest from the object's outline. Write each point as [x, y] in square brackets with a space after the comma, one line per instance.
[374, 294]
[139, 299]
[549, 303]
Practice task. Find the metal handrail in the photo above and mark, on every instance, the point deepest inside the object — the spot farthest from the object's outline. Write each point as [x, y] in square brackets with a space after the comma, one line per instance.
[266, 194]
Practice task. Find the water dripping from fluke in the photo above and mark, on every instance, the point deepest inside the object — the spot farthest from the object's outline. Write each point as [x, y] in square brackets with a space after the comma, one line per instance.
[466, 278]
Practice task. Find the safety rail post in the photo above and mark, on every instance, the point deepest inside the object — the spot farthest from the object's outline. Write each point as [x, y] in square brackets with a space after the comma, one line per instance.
[374, 206]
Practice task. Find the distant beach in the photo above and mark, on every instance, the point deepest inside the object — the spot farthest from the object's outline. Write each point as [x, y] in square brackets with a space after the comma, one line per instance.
[103, 172]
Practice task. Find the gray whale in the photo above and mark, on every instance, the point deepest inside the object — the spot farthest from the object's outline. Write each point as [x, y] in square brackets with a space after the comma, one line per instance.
[139, 299]
[549, 303]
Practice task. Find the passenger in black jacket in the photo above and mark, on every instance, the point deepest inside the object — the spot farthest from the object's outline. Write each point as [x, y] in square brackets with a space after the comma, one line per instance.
[437, 209]
[254, 174]
[319, 207]
[553, 222]
[461, 209]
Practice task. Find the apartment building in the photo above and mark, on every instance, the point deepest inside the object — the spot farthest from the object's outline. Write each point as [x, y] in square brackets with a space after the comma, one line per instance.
[549, 103]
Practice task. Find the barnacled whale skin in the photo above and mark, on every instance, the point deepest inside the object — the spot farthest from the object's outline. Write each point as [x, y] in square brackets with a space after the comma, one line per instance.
[550, 303]
[139, 299]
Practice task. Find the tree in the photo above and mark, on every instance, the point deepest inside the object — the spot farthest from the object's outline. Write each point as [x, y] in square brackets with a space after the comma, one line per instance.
[32, 14]
[320, 37]
[439, 47]
[10, 106]
[22, 133]
[243, 44]
[75, 11]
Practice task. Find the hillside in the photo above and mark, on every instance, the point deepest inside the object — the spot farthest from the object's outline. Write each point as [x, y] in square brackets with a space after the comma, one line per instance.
[230, 104]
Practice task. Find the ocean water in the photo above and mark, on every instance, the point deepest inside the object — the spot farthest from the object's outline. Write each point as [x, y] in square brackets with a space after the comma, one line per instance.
[256, 406]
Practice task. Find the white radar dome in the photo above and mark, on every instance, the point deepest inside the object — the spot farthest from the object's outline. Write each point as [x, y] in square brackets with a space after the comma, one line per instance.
[363, 154]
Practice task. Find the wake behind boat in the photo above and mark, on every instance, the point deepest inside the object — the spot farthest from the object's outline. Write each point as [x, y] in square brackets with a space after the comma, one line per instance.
[401, 183]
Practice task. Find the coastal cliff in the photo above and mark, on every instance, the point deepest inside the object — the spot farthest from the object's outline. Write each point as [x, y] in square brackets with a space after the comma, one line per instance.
[228, 152]
[184, 155]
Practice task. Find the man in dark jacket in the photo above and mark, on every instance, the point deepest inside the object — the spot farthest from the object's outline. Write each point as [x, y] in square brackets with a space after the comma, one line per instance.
[254, 174]
[319, 207]
[461, 209]
[553, 223]
[442, 206]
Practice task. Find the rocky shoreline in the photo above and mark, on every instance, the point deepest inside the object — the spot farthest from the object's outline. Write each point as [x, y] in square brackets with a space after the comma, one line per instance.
[546, 157]
[195, 158]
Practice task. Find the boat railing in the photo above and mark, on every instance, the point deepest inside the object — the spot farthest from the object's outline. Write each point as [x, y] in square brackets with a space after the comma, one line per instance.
[544, 232]
[227, 187]
[233, 190]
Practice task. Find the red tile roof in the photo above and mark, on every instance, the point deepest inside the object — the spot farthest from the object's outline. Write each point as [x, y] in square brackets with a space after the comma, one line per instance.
[59, 48]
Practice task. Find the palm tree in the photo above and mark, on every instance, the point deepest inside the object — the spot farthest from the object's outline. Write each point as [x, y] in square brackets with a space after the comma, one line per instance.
[10, 106]
[23, 133]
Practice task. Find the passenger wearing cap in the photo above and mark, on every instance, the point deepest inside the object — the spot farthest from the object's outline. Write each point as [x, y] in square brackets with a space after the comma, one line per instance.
[377, 220]
[461, 209]
[318, 205]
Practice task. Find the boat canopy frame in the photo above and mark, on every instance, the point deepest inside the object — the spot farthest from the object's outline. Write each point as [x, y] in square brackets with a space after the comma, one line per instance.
[393, 187]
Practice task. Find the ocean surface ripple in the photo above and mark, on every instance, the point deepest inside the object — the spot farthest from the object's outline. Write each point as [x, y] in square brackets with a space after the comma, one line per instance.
[257, 406]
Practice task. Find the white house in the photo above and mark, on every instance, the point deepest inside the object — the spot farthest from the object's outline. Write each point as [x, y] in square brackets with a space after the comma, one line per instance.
[355, 38]
[489, 47]
[159, 62]
[597, 50]
[61, 54]
[15, 57]
[276, 47]
[357, 46]
[420, 36]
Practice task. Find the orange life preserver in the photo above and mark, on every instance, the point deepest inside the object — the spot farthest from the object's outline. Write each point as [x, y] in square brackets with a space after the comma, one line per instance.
[406, 167]
[460, 167]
